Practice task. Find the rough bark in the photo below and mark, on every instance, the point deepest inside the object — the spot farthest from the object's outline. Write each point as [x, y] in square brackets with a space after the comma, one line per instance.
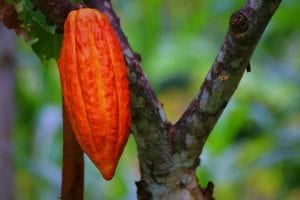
[169, 154]
[7, 79]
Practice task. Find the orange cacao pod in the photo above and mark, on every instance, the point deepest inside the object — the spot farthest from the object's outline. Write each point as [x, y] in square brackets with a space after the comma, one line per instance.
[95, 87]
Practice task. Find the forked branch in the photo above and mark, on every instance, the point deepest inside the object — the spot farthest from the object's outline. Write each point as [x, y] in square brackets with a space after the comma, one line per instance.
[164, 148]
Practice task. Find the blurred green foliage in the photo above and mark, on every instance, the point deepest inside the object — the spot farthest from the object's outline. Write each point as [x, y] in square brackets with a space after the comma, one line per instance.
[253, 152]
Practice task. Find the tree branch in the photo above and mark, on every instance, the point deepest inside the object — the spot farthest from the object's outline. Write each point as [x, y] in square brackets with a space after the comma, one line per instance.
[245, 29]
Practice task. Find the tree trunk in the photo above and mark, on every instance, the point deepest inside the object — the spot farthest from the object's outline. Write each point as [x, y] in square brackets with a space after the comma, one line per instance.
[7, 79]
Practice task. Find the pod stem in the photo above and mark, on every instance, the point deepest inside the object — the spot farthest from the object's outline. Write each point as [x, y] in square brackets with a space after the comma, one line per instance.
[73, 164]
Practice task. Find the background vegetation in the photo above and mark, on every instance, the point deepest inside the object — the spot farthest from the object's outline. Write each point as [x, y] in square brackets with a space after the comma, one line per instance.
[253, 152]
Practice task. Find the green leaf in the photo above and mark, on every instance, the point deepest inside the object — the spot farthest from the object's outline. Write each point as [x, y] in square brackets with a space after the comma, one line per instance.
[48, 46]
[44, 41]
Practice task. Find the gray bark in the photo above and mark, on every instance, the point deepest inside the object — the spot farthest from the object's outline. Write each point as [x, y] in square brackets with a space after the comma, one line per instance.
[7, 79]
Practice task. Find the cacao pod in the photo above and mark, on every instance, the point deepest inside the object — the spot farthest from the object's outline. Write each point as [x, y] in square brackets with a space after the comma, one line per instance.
[95, 87]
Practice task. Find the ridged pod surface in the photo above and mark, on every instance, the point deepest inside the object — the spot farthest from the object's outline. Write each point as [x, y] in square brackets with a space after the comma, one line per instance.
[95, 87]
